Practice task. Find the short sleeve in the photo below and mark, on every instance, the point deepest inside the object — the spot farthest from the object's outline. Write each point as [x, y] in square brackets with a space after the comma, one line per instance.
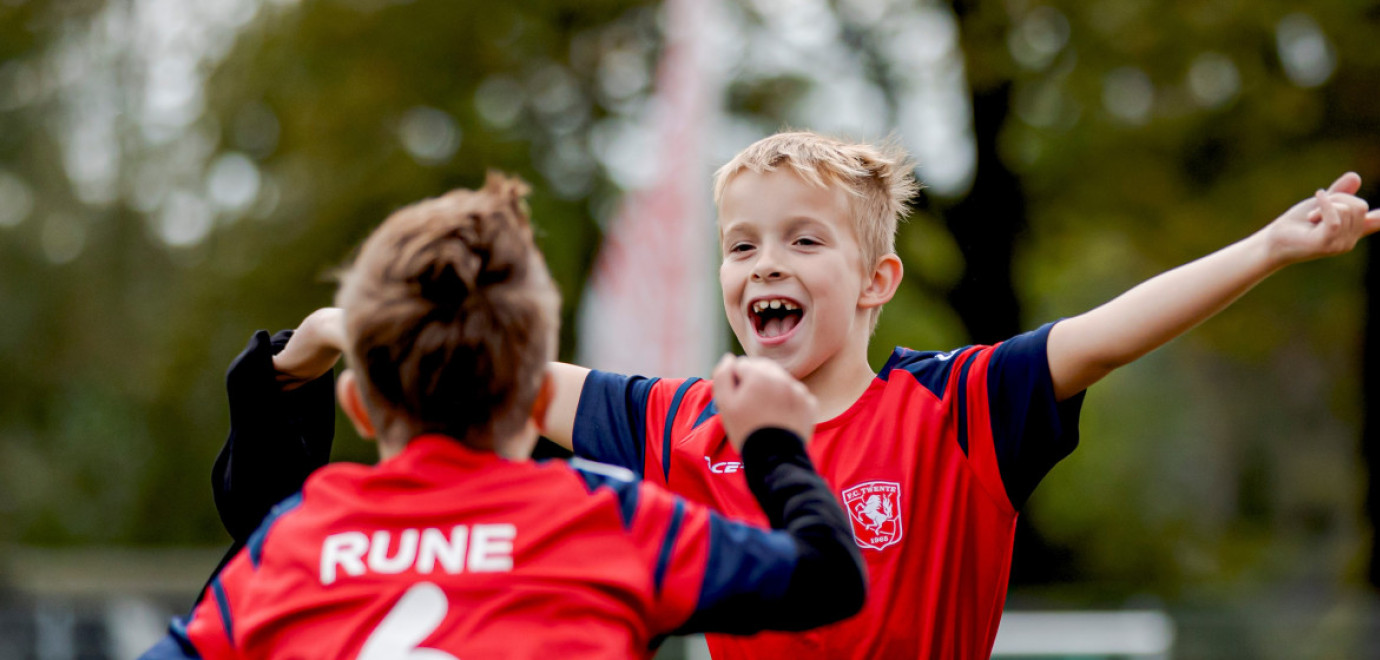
[707, 573]
[611, 419]
[710, 573]
[1031, 430]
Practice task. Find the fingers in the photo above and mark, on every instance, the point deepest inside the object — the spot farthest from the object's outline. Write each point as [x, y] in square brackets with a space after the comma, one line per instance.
[1344, 203]
[1330, 217]
[1347, 183]
[725, 379]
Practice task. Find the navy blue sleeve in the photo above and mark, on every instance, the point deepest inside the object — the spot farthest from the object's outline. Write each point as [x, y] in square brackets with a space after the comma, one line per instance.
[1032, 431]
[804, 573]
[611, 419]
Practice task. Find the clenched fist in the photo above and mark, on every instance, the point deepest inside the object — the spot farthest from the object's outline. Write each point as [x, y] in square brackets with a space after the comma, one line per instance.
[756, 393]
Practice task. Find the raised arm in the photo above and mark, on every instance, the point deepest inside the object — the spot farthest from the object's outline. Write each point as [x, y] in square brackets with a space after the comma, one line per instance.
[1085, 348]
[282, 420]
[559, 425]
[313, 350]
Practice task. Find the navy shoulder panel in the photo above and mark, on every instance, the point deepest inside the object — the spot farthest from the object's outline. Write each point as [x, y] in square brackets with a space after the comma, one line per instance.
[256, 540]
[929, 368]
[620, 480]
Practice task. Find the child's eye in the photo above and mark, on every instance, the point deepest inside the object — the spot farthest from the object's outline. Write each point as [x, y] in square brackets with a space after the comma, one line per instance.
[740, 247]
[806, 241]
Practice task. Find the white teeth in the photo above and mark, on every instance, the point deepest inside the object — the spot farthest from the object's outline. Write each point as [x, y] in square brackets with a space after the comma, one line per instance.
[778, 303]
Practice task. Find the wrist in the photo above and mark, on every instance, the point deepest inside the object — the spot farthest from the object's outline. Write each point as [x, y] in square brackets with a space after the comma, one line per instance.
[1265, 253]
[771, 444]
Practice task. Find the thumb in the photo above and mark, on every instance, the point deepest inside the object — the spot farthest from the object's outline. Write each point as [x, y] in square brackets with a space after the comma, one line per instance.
[1347, 183]
[1372, 223]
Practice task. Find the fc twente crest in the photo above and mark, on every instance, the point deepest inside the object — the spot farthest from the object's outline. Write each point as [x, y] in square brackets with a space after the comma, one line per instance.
[875, 510]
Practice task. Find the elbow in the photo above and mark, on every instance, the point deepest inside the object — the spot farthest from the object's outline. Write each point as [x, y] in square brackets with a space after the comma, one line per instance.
[852, 590]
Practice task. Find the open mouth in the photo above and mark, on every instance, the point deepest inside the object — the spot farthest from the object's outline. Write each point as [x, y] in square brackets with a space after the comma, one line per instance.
[775, 317]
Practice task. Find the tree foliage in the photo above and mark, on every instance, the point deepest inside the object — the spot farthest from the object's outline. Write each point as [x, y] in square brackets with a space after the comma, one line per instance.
[1141, 134]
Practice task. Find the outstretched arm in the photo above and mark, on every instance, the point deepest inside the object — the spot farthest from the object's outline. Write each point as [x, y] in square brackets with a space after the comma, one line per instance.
[559, 423]
[1085, 348]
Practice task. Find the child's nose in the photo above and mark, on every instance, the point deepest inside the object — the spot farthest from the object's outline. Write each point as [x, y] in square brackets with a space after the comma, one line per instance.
[766, 274]
[767, 266]
[766, 270]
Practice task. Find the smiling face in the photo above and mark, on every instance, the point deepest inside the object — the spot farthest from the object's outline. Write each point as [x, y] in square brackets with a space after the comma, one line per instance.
[795, 289]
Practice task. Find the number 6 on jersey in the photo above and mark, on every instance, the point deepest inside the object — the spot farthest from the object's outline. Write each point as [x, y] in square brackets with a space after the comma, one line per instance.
[418, 613]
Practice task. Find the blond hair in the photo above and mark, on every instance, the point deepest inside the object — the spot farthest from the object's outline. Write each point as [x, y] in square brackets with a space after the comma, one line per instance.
[451, 315]
[879, 180]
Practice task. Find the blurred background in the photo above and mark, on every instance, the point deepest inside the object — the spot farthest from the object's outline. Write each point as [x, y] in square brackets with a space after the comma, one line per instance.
[175, 174]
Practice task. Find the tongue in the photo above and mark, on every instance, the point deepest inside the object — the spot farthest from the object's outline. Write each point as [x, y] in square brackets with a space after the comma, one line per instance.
[777, 327]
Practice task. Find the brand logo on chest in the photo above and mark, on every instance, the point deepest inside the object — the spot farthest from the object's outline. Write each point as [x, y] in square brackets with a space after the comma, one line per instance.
[874, 507]
[723, 467]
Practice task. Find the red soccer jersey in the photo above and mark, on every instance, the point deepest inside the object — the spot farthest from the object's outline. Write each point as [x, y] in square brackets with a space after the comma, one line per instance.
[927, 463]
[444, 552]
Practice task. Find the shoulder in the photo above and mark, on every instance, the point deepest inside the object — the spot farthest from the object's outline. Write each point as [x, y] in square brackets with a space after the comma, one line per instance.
[620, 482]
[932, 369]
[282, 511]
[688, 394]
[328, 487]
[334, 477]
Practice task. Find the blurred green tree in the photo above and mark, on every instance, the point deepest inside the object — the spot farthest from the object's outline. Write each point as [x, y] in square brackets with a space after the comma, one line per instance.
[1113, 140]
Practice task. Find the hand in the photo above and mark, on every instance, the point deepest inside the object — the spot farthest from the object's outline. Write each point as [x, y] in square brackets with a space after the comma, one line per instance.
[756, 393]
[313, 349]
[1328, 223]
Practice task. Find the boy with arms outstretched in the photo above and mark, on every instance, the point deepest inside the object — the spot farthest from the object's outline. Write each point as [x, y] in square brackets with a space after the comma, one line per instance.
[457, 546]
[932, 456]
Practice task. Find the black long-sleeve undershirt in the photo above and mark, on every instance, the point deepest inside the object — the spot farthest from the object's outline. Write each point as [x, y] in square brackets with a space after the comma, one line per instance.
[829, 581]
[277, 437]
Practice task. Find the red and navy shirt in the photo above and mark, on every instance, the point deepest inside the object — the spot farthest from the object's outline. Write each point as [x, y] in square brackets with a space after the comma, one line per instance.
[446, 552]
[931, 464]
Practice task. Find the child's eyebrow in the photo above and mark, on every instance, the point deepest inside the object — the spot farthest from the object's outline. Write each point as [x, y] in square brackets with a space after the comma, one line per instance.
[736, 229]
[807, 221]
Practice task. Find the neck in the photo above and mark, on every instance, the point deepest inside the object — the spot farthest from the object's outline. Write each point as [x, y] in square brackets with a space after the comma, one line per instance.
[839, 382]
[396, 439]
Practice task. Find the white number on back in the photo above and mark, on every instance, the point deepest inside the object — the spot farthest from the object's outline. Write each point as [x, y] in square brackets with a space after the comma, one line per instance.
[418, 613]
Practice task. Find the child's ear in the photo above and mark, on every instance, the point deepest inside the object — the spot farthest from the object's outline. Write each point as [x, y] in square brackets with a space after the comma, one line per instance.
[352, 402]
[543, 403]
[886, 277]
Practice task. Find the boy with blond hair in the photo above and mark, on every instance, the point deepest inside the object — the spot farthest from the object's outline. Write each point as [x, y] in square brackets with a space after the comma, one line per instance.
[933, 455]
[457, 546]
